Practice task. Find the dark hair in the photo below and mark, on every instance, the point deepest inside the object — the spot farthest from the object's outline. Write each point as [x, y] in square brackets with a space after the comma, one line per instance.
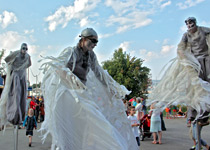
[190, 19]
[129, 103]
[132, 107]
[124, 101]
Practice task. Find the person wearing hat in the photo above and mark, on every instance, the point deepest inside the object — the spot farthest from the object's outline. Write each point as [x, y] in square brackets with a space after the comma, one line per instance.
[13, 98]
[83, 106]
[85, 56]
[187, 80]
[196, 37]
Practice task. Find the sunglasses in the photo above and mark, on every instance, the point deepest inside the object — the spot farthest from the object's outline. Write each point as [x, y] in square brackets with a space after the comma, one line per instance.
[94, 41]
[24, 48]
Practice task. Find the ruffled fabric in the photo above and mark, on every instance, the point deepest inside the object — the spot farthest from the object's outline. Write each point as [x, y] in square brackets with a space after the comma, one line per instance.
[81, 116]
[181, 83]
[5, 94]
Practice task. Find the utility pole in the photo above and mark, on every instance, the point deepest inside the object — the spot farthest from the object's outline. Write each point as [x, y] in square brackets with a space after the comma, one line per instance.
[36, 76]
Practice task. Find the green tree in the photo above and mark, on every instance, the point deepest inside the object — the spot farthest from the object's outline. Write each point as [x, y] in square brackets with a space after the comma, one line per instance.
[38, 85]
[2, 65]
[129, 72]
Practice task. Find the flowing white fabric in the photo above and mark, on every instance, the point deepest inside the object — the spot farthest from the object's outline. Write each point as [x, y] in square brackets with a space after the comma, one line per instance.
[80, 117]
[5, 94]
[181, 83]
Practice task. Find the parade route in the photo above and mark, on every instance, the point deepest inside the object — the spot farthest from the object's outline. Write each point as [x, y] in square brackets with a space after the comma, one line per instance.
[175, 138]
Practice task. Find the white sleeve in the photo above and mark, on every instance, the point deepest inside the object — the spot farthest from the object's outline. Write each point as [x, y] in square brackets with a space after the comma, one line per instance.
[138, 107]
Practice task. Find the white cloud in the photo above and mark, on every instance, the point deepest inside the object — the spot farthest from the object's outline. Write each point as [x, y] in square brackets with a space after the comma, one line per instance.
[29, 31]
[7, 18]
[133, 20]
[157, 41]
[11, 40]
[165, 41]
[122, 29]
[78, 11]
[83, 22]
[33, 49]
[189, 3]
[159, 4]
[162, 6]
[121, 7]
[183, 29]
[131, 14]
[166, 49]
[147, 55]
[105, 35]
[204, 23]
[125, 45]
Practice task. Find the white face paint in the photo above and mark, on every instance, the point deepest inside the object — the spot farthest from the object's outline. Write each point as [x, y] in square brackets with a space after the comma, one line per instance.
[90, 43]
[191, 26]
[24, 49]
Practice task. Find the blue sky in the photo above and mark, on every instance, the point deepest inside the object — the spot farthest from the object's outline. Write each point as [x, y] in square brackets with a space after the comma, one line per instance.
[147, 29]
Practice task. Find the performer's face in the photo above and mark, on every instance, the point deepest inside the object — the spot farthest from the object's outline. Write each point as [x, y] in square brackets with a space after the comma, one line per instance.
[90, 43]
[191, 25]
[24, 49]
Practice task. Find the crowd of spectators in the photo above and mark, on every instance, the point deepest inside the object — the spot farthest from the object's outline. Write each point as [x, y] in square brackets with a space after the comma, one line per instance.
[37, 104]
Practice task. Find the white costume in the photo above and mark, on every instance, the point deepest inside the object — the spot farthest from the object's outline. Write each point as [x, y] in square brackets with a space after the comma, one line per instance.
[13, 98]
[182, 82]
[84, 117]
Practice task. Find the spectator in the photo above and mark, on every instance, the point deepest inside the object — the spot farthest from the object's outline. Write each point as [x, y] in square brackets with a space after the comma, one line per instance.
[174, 108]
[155, 126]
[168, 116]
[163, 127]
[134, 123]
[28, 104]
[37, 108]
[138, 109]
[180, 112]
[134, 101]
[30, 123]
[144, 108]
[42, 110]
[33, 104]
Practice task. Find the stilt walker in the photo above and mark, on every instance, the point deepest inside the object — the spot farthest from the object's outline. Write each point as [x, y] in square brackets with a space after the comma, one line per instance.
[13, 99]
[83, 102]
[187, 79]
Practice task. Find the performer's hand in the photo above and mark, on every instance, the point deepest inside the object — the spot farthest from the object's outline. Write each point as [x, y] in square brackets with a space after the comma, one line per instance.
[23, 127]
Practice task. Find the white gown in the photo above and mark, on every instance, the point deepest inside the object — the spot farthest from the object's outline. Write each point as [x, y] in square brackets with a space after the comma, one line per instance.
[80, 117]
[181, 83]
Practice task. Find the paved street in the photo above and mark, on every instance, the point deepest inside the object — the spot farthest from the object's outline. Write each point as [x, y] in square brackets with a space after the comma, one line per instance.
[175, 138]
[7, 140]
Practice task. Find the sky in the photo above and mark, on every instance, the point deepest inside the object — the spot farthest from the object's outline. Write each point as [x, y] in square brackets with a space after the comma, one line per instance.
[146, 29]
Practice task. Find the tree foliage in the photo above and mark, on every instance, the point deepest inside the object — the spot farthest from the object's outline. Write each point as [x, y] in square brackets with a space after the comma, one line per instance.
[129, 72]
[38, 85]
[2, 53]
[2, 65]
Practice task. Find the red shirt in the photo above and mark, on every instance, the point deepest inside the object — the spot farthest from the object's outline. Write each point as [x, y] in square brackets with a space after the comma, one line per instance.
[33, 105]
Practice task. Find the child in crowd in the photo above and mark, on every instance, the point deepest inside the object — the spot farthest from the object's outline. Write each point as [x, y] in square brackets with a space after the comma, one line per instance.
[30, 123]
[168, 116]
[134, 123]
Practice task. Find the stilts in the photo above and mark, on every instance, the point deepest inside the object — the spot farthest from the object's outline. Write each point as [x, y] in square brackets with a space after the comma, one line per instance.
[198, 134]
[16, 137]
